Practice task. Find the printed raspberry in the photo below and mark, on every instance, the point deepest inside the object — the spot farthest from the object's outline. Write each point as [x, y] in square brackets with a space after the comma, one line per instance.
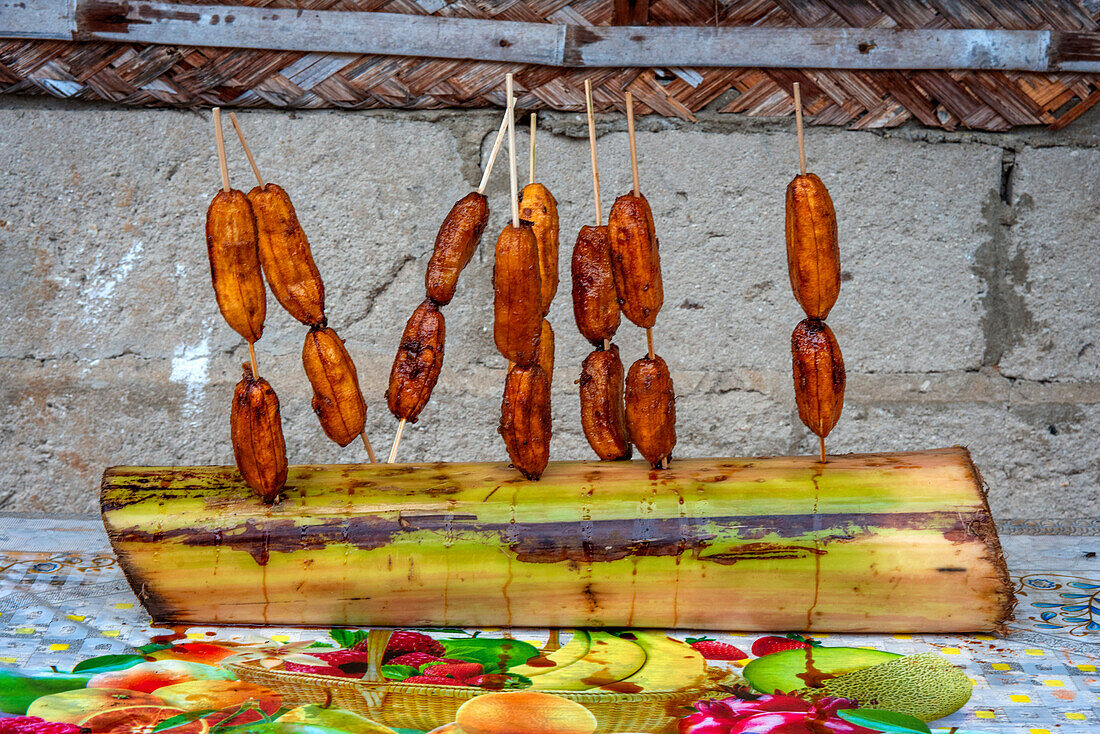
[341, 663]
[458, 671]
[403, 641]
[415, 659]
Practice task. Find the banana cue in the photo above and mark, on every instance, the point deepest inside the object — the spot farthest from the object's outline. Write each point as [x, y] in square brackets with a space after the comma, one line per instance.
[813, 263]
[520, 301]
[636, 268]
[596, 311]
[232, 246]
[419, 358]
[296, 283]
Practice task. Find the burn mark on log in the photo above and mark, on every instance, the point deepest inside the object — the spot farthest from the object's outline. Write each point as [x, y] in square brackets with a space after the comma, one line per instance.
[763, 551]
[951, 569]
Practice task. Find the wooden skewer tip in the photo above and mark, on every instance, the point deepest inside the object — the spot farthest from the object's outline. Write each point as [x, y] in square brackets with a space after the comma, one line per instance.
[592, 151]
[370, 449]
[508, 81]
[219, 140]
[633, 141]
[493, 155]
[396, 441]
[531, 163]
[821, 448]
[247, 150]
[252, 357]
[649, 341]
[798, 125]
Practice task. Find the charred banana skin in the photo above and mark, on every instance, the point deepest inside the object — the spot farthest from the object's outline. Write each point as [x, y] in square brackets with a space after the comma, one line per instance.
[651, 409]
[517, 314]
[595, 300]
[231, 244]
[539, 207]
[257, 432]
[337, 399]
[813, 256]
[525, 419]
[603, 411]
[635, 260]
[418, 362]
[455, 244]
[286, 257]
[819, 376]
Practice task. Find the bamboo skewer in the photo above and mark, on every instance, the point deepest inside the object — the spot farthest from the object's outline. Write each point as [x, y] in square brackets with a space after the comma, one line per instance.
[496, 149]
[247, 150]
[798, 125]
[396, 441]
[802, 169]
[512, 149]
[637, 191]
[219, 140]
[592, 149]
[531, 164]
[633, 145]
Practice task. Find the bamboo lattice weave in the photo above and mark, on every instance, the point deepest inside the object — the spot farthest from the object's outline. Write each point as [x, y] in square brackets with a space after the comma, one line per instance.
[181, 76]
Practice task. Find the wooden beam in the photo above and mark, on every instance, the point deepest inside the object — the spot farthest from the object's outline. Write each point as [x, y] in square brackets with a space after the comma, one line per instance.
[549, 44]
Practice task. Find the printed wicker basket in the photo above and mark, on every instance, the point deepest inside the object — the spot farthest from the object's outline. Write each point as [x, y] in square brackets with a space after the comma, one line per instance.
[426, 706]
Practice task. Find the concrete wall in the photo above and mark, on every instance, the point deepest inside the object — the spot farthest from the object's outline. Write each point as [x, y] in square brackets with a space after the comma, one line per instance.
[967, 314]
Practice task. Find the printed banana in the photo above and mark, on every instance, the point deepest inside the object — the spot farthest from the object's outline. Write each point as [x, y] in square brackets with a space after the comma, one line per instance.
[609, 659]
[670, 665]
[567, 654]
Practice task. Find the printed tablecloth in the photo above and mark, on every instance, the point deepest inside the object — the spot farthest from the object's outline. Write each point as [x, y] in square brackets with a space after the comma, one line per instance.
[63, 599]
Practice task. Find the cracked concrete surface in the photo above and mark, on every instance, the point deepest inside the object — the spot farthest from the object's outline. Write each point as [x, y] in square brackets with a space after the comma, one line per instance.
[967, 314]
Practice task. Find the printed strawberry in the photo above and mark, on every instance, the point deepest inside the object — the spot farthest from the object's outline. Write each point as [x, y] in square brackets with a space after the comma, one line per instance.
[458, 671]
[436, 681]
[715, 650]
[415, 659]
[403, 641]
[768, 645]
[341, 663]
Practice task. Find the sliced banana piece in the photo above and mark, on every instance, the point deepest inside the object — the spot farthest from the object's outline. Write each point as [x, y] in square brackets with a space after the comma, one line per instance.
[567, 654]
[609, 659]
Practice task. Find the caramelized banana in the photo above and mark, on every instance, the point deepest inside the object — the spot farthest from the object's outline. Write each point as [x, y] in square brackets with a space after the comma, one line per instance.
[525, 419]
[595, 302]
[455, 243]
[818, 375]
[235, 263]
[517, 309]
[813, 257]
[257, 432]
[546, 350]
[538, 206]
[651, 409]
[418, 362]
[635, 260]
[337, 400]
[603, 413]
[286, 257]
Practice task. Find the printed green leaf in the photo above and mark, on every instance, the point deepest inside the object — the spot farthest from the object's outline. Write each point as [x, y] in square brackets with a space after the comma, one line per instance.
[104, 663]
[347, 638]
[885, 721]
[495, 656]
[399, 672]
[181, 719]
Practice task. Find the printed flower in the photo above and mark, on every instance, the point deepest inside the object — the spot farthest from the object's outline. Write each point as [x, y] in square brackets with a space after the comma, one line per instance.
[272, 654]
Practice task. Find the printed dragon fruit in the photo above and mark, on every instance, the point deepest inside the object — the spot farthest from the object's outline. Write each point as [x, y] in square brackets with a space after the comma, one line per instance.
[770, 714]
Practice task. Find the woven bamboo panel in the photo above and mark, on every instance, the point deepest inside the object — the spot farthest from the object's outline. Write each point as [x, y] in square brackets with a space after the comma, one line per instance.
[155, 75]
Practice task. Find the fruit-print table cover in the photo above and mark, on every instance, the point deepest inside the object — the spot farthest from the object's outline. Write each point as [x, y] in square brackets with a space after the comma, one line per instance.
[64, 599]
